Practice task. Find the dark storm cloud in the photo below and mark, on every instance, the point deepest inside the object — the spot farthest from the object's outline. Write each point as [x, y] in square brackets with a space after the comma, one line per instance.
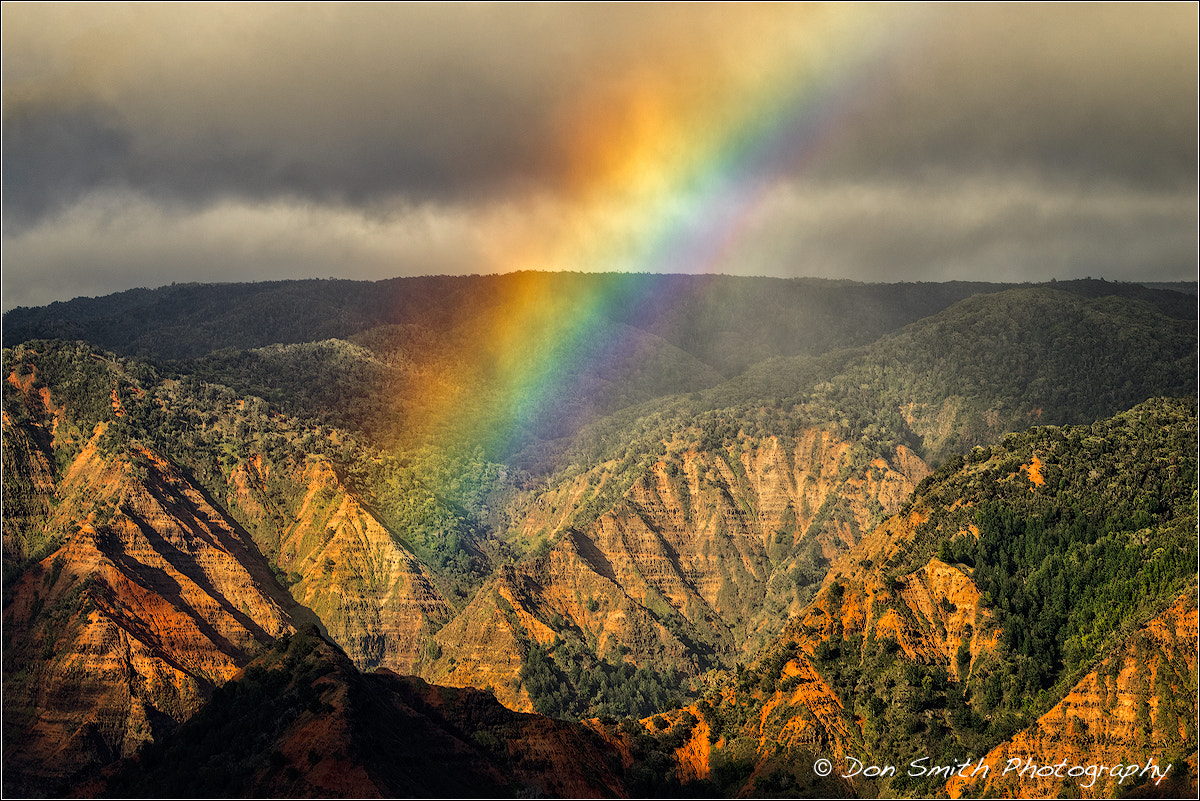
[47, 160]
[148, 143]
[995, 227]
[337, 102]
[1086, 92]
[351, 103]
[345, 103]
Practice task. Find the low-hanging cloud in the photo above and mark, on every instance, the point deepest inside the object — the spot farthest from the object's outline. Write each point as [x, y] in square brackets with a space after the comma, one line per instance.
[115, 240]
[1007, 227]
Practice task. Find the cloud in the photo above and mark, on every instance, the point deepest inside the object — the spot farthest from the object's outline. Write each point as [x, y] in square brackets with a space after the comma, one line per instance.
[1104, 91]
[363, 140]
[337, 102]
[999, 227]
[265, 100]
[117, 240]
[992, 227]
[352, 102]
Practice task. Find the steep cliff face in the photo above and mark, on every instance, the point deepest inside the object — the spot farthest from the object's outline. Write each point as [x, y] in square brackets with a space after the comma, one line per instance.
[154, 598]
[947, 603]
[902, 659]
[757, 736]
[700, 559]
[373, 596]
[560, 595]
[1134, 715]
[136, 589]
[933, 614]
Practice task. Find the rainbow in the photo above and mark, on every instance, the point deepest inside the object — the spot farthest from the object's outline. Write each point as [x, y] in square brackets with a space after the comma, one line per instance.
[665, 164]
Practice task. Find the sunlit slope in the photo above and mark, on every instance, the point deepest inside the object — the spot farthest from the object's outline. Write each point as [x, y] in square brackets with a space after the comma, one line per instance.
[1139, 700]
[158, 535]
[129, 593]
[1031, 600]
[907, 653]
[687, 563]
[699, 528]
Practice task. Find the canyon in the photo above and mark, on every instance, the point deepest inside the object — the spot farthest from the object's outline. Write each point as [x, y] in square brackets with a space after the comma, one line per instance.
[702, 592]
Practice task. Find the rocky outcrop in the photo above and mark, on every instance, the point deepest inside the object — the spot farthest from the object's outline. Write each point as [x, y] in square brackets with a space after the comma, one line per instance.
[153, 600]
[373, 596]
[933, 613]
[1125, 724]
[947, 602]
[485, 645]
[804, 712]
[701, 558]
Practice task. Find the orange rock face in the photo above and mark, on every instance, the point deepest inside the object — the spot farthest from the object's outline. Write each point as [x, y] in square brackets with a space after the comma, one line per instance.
[942, 597]
[694, 757]
[945, 596]
[124, 630]
[373, 596]
[1122, 725]
[1034, 470]
[707, 540]
[155, 595]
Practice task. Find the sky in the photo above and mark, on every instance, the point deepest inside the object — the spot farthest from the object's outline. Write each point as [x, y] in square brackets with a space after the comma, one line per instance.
[145, 144]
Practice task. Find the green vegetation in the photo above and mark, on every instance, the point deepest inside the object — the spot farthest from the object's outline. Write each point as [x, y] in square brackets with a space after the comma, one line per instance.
[567, 682]
[291, 343]
[1068, 569]
[38, 447]
[987, 365]
[442, 505]
[744, 760]
[342, 384]
[446, 506]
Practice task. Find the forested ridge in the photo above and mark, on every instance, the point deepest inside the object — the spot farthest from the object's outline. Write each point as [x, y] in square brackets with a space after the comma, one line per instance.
[725, 321]
[1069, 559]
[961, 378]
[370, 357]
[1068, 571]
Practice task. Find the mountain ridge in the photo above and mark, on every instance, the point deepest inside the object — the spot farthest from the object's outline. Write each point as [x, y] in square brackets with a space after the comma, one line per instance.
[652, 559]
[138, 322]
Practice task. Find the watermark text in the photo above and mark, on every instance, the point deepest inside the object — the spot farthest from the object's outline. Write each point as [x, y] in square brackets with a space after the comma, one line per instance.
[978, 769]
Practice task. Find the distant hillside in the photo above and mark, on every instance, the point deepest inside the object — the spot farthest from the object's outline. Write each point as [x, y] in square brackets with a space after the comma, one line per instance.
[1001, 362]
[512, 362]
[1185, 287]
[992, 363]
[725, 322]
